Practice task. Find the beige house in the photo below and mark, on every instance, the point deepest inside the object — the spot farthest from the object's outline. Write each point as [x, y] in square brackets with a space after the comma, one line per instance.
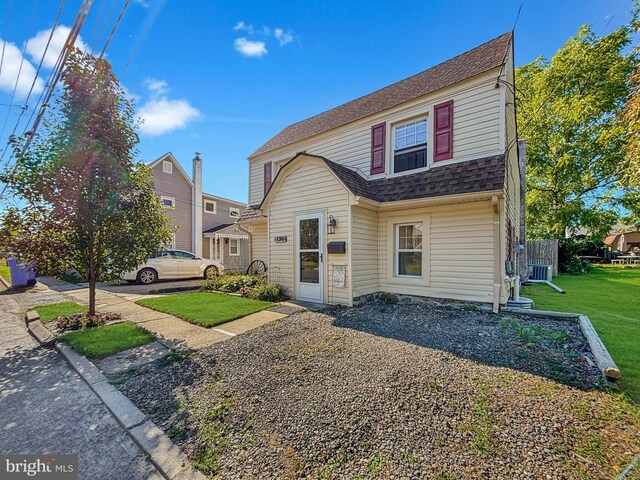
[205, 223]
[413, 189]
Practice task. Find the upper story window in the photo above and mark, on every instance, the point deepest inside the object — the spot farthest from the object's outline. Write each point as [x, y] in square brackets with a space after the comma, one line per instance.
[210, 206]
[168, 202]
[167, 166]
[410, 146]
[234, 212]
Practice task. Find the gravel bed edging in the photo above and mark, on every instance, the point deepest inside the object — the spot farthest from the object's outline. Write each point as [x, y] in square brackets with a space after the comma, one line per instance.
[167, 457]
[602, 356]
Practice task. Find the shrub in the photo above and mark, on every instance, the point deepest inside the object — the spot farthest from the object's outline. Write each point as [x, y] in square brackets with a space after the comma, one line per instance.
[570, 248]
[232, 283]
[77, 321]
[270, 292]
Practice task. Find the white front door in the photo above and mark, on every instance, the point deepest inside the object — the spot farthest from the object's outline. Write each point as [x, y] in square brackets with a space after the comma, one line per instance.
[309, 258]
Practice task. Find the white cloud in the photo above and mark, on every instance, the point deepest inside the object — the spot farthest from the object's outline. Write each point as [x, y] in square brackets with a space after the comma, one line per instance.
[250, 48]
[143, 3]
[241, 26]
[11, 67]
[157, 87]
[282, 36]
[37, 44]
[162, 115]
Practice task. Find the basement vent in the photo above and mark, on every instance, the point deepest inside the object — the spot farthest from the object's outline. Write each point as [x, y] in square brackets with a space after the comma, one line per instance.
[541, 272]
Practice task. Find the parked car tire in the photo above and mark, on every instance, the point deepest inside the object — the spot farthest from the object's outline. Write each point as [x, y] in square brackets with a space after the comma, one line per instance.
[211, 271]
[147, 276]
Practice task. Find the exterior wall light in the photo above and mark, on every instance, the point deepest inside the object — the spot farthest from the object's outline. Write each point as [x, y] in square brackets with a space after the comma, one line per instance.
[331, 225]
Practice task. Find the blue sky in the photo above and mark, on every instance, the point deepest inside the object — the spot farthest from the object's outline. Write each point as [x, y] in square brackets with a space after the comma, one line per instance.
[221, 78]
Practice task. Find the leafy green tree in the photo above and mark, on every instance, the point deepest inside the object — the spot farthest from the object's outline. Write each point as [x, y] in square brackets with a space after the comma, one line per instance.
[569, 112]
[84, 203]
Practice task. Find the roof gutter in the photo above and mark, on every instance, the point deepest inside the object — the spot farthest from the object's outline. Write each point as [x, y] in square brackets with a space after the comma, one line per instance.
[429, 201]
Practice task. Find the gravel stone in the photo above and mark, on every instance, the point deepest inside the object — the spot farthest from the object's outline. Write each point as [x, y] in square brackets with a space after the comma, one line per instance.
[394, 391]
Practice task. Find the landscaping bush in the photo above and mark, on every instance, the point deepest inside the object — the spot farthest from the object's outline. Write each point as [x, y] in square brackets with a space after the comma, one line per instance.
[78, 321]
[570, 248]
[270, 292]
[232, 283]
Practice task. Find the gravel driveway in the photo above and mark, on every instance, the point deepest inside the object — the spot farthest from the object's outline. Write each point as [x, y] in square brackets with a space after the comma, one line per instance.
[393, 391]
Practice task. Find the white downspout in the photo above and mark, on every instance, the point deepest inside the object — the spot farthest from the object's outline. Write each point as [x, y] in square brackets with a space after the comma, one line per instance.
[497, 277]
[197, 206]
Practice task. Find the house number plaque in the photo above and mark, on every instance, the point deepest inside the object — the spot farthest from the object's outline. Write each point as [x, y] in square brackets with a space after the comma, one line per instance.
[282, 239]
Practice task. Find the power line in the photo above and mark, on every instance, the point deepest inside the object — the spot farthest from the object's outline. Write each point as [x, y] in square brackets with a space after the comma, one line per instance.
[577, 60]
[142, 37]
[35, 77]
[6, 33]
[115, 26]
[104, 25]
[24, 49]
[95, 24]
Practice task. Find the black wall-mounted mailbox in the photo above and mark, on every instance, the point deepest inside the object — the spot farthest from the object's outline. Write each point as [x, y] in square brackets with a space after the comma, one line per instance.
[337, 247]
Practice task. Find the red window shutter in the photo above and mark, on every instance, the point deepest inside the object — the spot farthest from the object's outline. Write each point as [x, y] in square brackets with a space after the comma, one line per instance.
[267, 177]
[378, 139]
[443, 131]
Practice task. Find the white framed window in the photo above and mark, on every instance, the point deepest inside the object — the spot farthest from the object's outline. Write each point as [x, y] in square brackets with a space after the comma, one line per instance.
[409, 250]
[167, 166]
[410, 146]
[234, 212]
[168, 202]
[234, 247]
[210, 206]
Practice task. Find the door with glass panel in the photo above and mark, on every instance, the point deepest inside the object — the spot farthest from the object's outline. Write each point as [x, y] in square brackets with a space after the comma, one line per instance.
[309, 258]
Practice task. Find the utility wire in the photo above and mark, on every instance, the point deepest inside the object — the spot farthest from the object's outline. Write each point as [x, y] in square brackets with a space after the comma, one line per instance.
[142, 37]
[575, 63]
[95, 25]
[6, 33]
[15, 86]
[104, 25]
[35, 77]
[115, 26]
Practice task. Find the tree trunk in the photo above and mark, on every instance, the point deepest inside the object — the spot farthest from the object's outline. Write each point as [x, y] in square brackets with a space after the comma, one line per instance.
[92, 292]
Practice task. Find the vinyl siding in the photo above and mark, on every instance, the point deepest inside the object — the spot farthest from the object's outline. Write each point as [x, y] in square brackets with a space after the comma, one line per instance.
[221, 216]
[365, 251]
[309, 187]
[476, 131]
[459, 247]
[259, 242]
[512, 171]
[176, 185]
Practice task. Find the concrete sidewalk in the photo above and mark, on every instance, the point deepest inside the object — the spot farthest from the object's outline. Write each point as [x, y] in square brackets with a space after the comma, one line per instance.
[45, 407]
[169, 330]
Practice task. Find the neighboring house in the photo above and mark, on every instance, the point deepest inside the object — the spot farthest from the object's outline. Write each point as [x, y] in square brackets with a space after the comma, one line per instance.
[417, 183]
[623, 242]
[205, 223]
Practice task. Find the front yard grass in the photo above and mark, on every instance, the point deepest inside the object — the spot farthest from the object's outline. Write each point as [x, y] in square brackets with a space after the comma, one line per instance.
[610, 297]
[102, 341]
[204, 308]
[4, 271]
[50, 312]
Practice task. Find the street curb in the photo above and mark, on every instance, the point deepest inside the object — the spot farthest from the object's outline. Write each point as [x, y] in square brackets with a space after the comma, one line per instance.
[167, 457]
[37, 330]
[603, 358]
[5, 283]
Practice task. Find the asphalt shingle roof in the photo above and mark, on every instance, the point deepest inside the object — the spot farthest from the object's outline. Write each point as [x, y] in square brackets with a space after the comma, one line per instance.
[474, 62]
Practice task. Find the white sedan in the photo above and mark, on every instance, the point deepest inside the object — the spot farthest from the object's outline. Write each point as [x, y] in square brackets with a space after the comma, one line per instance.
[170, 264]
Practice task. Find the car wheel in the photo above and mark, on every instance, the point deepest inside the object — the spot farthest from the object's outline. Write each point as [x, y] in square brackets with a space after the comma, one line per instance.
[211, 272]
[147, 276]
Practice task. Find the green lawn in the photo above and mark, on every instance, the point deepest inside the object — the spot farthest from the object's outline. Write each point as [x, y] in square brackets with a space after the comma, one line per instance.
[54, 310]
[205, 308]
[103, 341]
[4, 270]
[610, 297]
